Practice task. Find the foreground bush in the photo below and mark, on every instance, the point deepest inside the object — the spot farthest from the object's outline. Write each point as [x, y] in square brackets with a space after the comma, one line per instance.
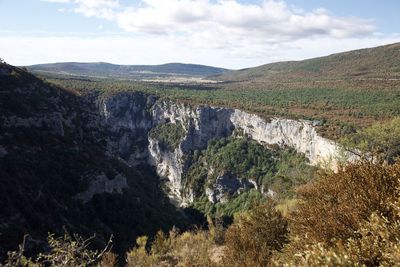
[64, 251]
[376, 243]
[254, 236]
[333, 207]
[187, 249]
[351, 218]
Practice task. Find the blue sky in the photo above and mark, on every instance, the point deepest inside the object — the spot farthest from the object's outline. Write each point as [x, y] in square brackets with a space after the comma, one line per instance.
[226, 33]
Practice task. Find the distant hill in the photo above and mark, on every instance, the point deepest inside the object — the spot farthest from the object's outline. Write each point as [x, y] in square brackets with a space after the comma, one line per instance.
[136, 72]
[372, 63]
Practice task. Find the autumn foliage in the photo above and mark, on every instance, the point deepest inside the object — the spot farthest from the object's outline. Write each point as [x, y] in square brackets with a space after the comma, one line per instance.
[333, 206]
[254, 236]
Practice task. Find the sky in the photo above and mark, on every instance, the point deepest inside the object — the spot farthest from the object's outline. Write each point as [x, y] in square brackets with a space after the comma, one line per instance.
[224, 33]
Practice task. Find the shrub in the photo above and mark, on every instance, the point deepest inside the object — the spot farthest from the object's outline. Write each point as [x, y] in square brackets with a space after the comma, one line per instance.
[254, 236]
[333, 206]
[139, 256]
[376, 243]
[64, 251]
[186, 249]
[216, 230]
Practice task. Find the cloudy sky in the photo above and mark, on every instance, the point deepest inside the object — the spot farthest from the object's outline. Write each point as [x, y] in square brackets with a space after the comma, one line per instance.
[225, 33]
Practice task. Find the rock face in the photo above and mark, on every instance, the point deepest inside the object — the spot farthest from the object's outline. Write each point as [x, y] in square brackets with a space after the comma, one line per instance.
[225, 186]
[300, 135]
[127, 121]
[131, 116]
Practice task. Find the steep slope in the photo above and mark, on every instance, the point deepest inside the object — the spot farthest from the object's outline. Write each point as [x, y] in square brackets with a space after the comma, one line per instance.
[126, 71]
[377, 62]
[56, 171]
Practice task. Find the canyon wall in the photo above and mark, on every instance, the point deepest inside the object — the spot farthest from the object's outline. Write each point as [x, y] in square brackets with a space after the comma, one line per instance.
[130, 117]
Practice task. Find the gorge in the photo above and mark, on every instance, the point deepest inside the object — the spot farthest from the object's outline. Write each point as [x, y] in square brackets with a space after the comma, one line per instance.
[129, 117]
[104, 163]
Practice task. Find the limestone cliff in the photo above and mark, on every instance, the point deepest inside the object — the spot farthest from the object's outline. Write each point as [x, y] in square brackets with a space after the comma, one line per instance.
[131, 116]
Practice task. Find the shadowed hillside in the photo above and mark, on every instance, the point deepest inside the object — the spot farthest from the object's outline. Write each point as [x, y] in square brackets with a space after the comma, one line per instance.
[55, 173]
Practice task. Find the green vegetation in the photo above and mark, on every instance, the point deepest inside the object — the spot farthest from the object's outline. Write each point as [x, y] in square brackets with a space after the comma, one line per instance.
[378, 62]
[169, 135]
[292, 170]
[349, 218]
[381, 140]
[242, 202]
[280, 170]
[245, 159]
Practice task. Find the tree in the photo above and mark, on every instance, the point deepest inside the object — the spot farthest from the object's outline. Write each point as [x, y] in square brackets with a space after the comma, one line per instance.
[381, 141]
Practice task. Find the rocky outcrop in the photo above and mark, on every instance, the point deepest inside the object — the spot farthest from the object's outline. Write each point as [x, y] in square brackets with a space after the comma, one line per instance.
[298, 134]
[101, 184]
[226, 186]
[169, 164]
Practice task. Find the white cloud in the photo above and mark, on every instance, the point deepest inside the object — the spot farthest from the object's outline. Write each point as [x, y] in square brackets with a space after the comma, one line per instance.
[225, 33]
[97, 8]
[157, 49]
[225, 22]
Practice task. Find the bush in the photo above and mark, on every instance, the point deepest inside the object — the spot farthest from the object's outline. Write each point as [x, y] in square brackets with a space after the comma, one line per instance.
[64, 251]
[254, 236]
[333, 206]
[376, 244]
[187, 249]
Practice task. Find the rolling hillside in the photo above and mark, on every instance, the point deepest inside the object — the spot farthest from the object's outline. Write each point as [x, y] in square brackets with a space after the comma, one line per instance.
[372, 63]
[135, 72]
